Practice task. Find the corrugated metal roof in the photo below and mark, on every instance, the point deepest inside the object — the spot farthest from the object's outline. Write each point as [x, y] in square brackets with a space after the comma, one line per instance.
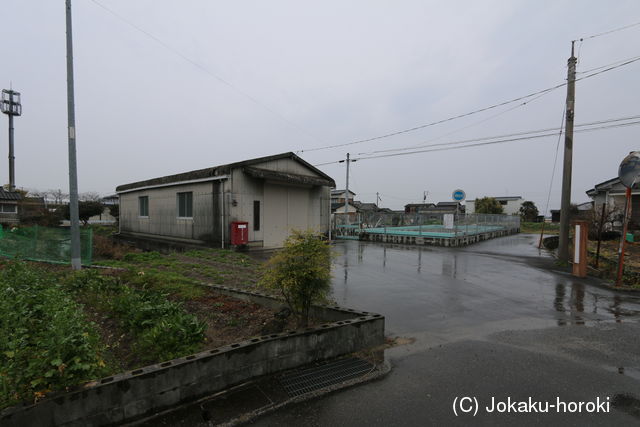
[218, 171]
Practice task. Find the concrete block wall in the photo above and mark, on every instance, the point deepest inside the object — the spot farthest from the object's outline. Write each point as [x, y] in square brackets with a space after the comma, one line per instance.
[135, 394]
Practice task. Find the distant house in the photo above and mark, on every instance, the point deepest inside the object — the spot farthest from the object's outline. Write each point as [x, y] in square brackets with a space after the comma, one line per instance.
[612, 193]
[583, 212]
[366, 207]
[9, 206]
[339, 196]
[510, 204]
[417, 207]
[273, 194]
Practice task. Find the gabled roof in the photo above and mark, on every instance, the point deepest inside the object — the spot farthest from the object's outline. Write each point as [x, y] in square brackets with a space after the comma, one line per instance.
[9, 195]
[336, 192]
[425, 205]
[366, 206]
[606, 185]
[219, 171]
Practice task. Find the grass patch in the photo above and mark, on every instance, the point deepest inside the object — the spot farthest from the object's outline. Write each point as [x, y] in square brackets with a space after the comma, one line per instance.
[161, 329]
[536, 227]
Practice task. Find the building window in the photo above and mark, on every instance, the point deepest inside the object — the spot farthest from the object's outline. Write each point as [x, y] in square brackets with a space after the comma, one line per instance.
[185, 205]
[503, 202]
[8, 208]
[143, 206]
[256, 215]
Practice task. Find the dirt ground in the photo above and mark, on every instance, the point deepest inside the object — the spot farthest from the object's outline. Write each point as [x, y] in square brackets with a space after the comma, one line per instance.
[608, 260]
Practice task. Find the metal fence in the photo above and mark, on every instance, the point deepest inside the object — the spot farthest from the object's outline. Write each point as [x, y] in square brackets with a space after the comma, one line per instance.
[46, 244]
[421, 224]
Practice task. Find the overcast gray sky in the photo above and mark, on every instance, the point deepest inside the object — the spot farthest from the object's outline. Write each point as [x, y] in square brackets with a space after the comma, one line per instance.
[322, 73]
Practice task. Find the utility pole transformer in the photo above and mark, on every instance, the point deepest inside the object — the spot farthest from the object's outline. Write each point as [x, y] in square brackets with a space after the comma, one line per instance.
[565, 207]
[76, 262]
[11, 106]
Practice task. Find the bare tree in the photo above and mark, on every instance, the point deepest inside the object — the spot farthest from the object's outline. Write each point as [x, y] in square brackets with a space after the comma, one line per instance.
[58, 196]
[90, 196]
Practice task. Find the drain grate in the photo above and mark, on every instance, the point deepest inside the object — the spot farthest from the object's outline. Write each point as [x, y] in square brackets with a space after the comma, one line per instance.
[311, 379]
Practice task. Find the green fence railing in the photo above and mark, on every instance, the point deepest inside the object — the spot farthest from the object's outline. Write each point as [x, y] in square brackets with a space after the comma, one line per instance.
[46, 244]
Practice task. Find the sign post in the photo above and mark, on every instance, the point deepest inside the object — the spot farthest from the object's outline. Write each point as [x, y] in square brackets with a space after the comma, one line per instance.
[581, 236]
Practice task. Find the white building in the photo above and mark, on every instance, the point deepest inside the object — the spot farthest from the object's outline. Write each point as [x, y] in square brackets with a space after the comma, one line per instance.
[510, 205]
[273, 194]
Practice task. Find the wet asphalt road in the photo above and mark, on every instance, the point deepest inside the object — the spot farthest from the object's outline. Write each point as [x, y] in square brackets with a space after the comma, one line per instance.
[490, 320]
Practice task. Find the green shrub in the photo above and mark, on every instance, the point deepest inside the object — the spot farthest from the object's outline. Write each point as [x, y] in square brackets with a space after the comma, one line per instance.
[301, 272]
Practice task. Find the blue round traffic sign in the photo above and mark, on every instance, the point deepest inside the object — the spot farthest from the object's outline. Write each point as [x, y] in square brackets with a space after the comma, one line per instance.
[458, 195]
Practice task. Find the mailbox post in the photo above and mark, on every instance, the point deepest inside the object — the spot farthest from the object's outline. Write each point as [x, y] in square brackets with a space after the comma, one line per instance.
[239, 233]
[580, 239]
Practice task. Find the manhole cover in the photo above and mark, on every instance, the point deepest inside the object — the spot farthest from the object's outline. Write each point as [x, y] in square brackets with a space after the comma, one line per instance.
[311, 379]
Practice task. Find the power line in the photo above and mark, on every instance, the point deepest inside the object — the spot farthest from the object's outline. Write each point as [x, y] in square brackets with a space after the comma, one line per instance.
[202, 68]
[438, 121]
[634, 58]
[497, 142]
[487, 140]
[520, 98]
[619, 119]
[608, 32]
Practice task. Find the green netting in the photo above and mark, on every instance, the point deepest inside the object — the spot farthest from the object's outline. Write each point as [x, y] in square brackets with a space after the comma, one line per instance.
[44, 244]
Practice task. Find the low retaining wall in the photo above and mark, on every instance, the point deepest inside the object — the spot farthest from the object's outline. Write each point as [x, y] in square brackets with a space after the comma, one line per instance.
[461, 240]
[154, 388]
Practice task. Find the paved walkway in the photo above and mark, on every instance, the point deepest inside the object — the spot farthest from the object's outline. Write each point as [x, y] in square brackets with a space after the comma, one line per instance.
[492, 320]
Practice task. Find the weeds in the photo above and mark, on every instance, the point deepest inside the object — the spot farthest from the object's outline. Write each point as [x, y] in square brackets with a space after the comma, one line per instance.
[46, 342]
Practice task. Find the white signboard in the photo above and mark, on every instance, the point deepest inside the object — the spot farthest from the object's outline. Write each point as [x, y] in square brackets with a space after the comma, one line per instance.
[448, 221]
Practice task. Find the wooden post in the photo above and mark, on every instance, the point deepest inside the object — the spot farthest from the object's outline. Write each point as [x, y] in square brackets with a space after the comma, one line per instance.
[580, 239]
[604, 205]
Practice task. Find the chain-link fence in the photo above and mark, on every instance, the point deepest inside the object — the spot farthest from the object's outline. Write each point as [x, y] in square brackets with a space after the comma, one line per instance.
[44, 244]
[444, 225]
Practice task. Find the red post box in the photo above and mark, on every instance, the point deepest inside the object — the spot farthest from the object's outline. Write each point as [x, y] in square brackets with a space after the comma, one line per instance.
[239, 233]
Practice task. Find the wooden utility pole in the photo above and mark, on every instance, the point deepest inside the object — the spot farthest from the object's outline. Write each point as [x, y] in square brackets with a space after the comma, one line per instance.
[565, 207]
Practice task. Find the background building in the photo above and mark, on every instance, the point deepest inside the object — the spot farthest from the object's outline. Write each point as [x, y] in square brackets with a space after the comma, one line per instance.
[510, 204]
[274, 194]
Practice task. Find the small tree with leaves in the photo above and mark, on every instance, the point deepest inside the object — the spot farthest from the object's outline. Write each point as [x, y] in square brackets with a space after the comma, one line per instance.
[488, 205]
[528, 211]
[86, 209]
[300, 272]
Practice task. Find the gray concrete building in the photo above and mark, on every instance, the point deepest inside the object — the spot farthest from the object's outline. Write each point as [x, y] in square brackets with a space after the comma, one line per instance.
[273, 194]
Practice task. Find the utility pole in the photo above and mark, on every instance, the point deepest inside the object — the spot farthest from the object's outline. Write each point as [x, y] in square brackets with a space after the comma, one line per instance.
[378, 199]
[565, 207]
[76, 262]
[346, 205]
[11, 106]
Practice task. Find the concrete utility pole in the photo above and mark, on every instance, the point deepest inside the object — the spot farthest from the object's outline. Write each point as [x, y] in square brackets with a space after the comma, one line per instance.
[378, 199]
[346, 205]
[565, 207]
[76, 262]
[11, 106]
[346, 193]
